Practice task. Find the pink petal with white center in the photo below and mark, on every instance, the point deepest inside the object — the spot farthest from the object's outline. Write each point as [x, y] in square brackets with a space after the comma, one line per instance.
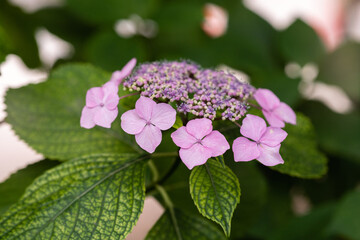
[94, 97]
[163, 116]
[87, 117]
[284, 112]
[111, 101]
[273, 120]
[194, 156]
[273, 136]
[269, 156]
[144, 107]
[127, 69]
[199, 128]
[149, 138]
[104, 117]
[182, 138]
[216, 142]
[131, 123]
[266, 99]
[245, 150]
[253, 127]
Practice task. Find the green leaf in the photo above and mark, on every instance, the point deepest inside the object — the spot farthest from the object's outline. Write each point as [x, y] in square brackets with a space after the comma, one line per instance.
[4, 44]
[94, 197]
[300, 43]
[299, 151]
[190, 227]
[178, 123]
[13, 188]
[216, 192]
[346, 218]
[47, 115]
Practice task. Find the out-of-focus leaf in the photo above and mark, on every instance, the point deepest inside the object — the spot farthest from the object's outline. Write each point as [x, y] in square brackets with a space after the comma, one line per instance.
[112, 52]
[12, 189]
[20, 31]
[299, 151]
[94, 197]
[341, 68]
[4, 44]
[47, 115]
[299, 43]
[108, 11]
[311, 226]
[216, 192]
[337, 133]
[189, 227]
[346, 218]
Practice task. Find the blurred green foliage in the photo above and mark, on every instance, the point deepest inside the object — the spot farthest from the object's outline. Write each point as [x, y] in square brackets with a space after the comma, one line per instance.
[251, 45]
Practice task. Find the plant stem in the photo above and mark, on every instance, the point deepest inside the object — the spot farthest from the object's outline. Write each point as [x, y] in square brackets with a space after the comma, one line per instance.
[165, 154]
[154, 170]
[128, 95]
[237, 124]
[254, 106]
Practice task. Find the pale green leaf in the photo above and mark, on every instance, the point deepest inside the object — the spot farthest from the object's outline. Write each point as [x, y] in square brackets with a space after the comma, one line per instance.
[190, 227]
[94, 197]
[216, 192]
[14, 187]
[47, 115]
[299, 151]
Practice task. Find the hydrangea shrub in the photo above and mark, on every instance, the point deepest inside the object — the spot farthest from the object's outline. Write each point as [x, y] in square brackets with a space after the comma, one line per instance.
[110, 151]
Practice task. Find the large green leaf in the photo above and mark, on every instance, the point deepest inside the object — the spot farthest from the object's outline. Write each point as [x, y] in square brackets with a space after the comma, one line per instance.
[300, 153]
[95, 197]
[47, 115]
[189, 227]
[13, 188]
[300, 43]
[346, 218]
[4, 44]
[216, 192]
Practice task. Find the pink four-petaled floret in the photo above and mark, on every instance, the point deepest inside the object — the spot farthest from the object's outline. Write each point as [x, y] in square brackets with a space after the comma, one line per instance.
[146, 122]
[275, 112]
[265, 145]
[198, 142]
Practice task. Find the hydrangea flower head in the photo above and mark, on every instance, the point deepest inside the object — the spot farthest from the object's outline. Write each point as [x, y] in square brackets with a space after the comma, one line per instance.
[275, 112]
[101, 106]
[201, 92]
[146, 122]
[198, 142]
[265, 145]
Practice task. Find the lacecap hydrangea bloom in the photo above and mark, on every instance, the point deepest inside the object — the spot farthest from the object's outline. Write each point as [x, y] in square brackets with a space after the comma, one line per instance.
[198, 97]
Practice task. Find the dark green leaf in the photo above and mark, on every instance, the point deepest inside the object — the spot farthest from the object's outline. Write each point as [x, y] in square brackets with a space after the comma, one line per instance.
[346, 219]
[47, 115]
[4, 44]
[13, 188]
[95, 197]
[300, 43]
[190, 228]
[299, 151]
[216, 192]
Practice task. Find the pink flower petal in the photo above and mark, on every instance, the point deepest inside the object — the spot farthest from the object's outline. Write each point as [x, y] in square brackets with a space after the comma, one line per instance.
[110, 88]
[144, 107]
[131, 123]
[149, 138]
[127, 69]
[270, 156]
[216, 142]
[284, 112]
[94, 97]
[266, 99]
[163, 116]
[117, 77]
[273, 136]
[245, 150]
[104, 117]
[111, 101]
[273, 120]
[87, 117]
[195, 156]
[253, 127]
[182, 138]
[199, 128]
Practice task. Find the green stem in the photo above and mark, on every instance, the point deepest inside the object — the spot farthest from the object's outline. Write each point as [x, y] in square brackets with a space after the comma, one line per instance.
[154, 170]
[164, 154]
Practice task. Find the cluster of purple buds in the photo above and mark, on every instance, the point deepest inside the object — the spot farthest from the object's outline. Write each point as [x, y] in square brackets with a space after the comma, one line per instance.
[206, 94]
[202, 92]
